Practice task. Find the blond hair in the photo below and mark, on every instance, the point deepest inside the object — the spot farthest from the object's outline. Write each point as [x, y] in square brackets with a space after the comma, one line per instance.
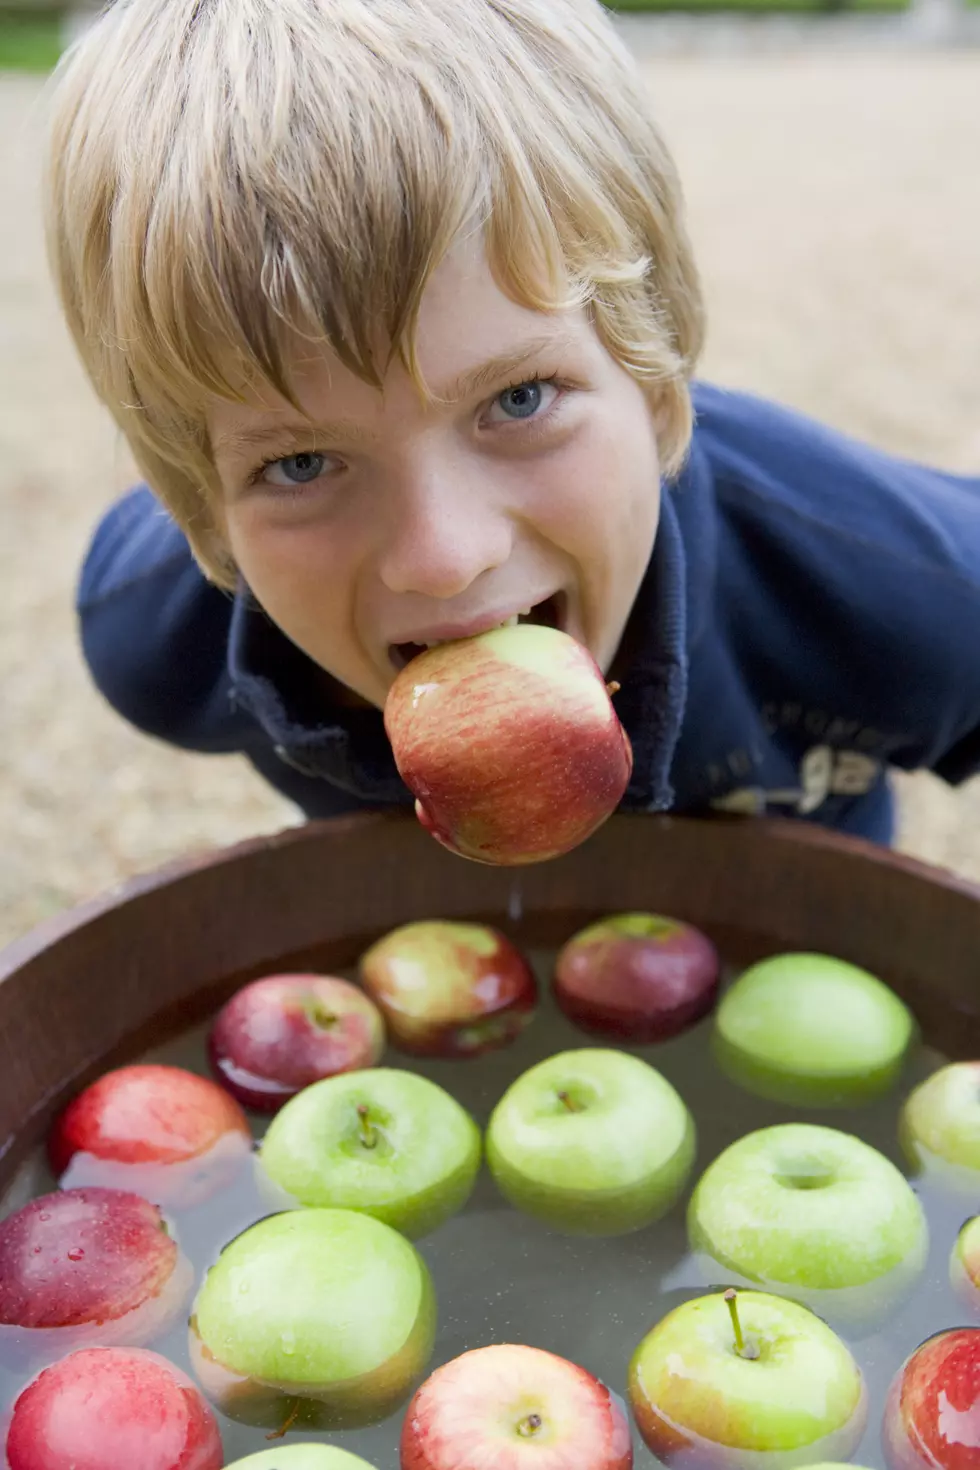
[223, 172]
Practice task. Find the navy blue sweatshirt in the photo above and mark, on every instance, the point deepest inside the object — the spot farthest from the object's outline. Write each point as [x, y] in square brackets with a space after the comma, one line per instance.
[810, 617]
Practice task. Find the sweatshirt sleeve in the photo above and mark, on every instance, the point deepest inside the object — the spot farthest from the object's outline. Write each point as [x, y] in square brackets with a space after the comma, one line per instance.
[154, 631]
[852, 583]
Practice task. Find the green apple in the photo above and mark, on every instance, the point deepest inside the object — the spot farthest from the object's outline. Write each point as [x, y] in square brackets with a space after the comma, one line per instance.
[814, 1213]
[383, 1141]
[964, 1264]
[775, 1387]
[302, 1457]
[591, 1142]
[812, 1031]
[939, 1126]
[322, 1317]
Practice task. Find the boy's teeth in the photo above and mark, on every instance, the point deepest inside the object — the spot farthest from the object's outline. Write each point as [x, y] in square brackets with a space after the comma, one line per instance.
[508, 623]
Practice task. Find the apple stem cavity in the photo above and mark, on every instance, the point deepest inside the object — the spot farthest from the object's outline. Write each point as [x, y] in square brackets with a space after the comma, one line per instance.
[287, 1426]
[743, 1347]
[529, 1427]
[321, 1017]
[567, 1101]
[369, 1134]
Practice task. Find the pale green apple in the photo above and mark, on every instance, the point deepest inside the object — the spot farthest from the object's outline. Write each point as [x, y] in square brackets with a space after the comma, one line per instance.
[939, 1126]
[806, 1210]
[792, 1395]
[302, 1457]
[592, 1142]
[812, 1031]
[386, 1142]
[964, 1264]
[324, 1315]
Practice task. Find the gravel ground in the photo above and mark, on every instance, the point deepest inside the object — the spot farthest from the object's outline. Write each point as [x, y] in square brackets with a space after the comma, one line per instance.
[836, 206]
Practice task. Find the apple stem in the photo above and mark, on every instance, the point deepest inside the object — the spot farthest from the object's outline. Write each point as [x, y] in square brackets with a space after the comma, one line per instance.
[613, 688]
[529, 1427]
[293, 1416]
[743, 1348]
[570, 1103]
[369, 1135]
[320, 1016]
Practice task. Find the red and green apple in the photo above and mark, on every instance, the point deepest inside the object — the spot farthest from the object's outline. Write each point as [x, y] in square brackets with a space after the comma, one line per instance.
[449, 989]
[285, 1032]
[510, 744]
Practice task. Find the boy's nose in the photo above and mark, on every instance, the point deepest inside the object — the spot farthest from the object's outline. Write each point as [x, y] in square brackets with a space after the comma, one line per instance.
[442, 537]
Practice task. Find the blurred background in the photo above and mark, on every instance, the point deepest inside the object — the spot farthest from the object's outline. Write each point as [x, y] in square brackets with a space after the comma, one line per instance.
[831, 153]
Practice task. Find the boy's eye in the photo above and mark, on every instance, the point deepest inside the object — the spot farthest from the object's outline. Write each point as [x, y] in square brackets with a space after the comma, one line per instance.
[295, 469]
[523, 401]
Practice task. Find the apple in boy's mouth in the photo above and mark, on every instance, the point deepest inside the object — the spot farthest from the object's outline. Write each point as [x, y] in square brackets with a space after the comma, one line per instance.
[509, 742]
[550, 612]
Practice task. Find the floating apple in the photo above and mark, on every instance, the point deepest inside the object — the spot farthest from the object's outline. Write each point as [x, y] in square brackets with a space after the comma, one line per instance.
[939, 1127]
[513, 1408]
[591, 1142]
[510, 743]
[761, 1381]
[932, 1419]
[386, 1142]
[281, 1034]
[94, 1266]
[449, 989]
[637, 977]
[165, 1133]
[813, 1213]
[964, 1264]
[113, 1409]
[313, 1317]
[302, 1457]
[812, 1031]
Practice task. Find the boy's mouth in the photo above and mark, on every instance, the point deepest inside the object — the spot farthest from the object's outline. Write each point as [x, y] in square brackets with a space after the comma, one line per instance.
[551, 613]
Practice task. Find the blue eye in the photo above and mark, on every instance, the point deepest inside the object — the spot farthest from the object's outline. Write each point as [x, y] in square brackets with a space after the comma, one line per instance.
[523, 401]
[300, 469]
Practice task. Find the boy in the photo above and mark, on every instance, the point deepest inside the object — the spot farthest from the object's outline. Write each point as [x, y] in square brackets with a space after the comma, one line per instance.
[394, 303]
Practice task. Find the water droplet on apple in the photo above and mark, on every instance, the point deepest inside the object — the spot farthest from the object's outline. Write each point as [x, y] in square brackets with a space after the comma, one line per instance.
[289, 1343]
[76, 1254]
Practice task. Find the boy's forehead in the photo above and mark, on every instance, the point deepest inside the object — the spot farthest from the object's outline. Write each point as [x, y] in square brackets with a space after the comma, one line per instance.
[470, 334]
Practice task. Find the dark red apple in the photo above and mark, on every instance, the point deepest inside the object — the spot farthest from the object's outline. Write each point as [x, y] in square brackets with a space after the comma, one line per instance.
[93, 1266]
[113, 1409]
[637, 977]
[283, 1033]
[514, 1408]
[932, 1418]
[449, 989]
[510, 743]
[168, 1134]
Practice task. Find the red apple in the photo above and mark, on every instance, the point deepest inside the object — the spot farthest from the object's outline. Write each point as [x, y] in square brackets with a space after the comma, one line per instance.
[168, 1134]
[448, 989]
[932, 1419]
[637, 978]
[283, 1033]
[113, 1409]
[514, 1408]
[87, 1266]
[510, 743]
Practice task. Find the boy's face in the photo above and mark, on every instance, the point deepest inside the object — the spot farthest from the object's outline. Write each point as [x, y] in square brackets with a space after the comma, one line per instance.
[387, 522]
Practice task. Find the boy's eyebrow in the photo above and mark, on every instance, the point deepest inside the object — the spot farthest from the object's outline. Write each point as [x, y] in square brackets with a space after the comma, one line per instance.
[284, 433]
[503, 364]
